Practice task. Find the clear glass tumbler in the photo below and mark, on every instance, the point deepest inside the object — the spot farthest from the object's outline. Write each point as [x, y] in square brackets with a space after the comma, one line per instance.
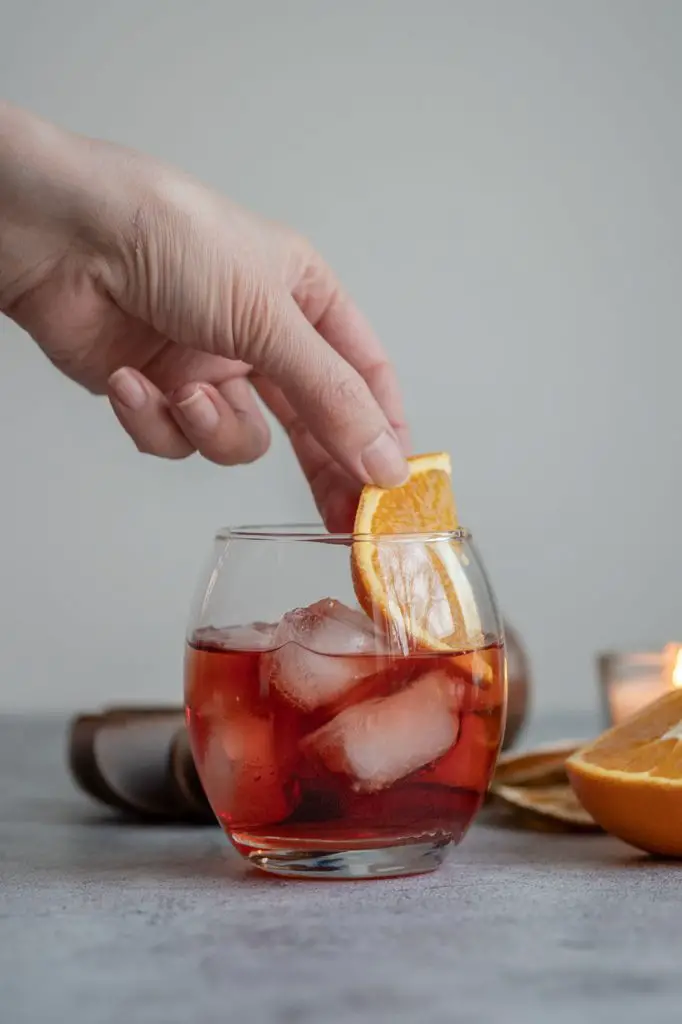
[331, 739]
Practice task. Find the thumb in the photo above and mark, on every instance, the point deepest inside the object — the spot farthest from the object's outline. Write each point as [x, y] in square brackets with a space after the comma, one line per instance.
[330, 398]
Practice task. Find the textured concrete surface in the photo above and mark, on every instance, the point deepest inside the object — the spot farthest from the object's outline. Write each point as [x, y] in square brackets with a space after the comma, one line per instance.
[103, 922]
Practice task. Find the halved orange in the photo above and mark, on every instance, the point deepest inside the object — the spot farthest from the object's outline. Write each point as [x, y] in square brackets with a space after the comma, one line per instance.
[630, 778]
[419, 589]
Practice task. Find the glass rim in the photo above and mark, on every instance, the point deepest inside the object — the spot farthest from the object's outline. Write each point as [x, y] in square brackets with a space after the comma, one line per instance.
[315, 532]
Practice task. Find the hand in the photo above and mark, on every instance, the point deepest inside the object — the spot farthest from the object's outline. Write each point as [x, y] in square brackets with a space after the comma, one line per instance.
[137, 281]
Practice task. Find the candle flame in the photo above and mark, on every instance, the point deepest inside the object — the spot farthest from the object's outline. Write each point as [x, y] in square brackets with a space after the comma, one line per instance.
[676, 676]
[672, 666]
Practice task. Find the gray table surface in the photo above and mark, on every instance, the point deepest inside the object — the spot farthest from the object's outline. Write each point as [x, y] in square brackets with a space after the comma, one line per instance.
[105, 922]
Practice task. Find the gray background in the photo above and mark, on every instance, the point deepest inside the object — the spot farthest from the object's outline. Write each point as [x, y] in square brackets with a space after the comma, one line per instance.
[499, 185]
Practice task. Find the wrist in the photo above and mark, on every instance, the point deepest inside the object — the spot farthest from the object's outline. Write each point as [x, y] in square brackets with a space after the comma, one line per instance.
[41, 199]
[32, 153]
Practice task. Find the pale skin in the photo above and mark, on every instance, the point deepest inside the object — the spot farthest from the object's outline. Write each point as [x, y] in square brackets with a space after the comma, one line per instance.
[138, 282]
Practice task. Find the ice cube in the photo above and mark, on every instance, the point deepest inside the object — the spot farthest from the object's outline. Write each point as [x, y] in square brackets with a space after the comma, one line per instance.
[470, 763]
[244, 771]
[322, 652]
[380, 741]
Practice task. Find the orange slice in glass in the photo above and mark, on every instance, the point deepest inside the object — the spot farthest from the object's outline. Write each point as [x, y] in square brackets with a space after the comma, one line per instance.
[419, 589]
[630, 778]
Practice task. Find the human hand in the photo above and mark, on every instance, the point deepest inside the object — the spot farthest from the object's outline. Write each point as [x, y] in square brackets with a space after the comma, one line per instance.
[138, 282]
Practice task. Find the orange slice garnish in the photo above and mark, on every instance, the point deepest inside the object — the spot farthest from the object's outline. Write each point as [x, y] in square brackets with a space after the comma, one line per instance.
[419, 589]
[630, 778]
[424, 504]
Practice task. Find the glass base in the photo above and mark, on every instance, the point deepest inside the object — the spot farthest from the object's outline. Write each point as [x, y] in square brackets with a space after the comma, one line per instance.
[326, 861]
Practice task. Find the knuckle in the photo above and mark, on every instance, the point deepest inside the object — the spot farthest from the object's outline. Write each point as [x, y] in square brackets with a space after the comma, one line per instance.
[177, 269]
[344, 393]
[162, 450]
[146, 445]
[80, 364]
[296, 429]
[239, 450]
[149, 443]
[232, 456]
[256, 315]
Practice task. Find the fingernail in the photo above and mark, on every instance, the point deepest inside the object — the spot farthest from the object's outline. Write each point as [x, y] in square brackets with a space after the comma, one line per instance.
[128, 389]
[384, 462]
[238, 393]
[199, 411]
[403, 435]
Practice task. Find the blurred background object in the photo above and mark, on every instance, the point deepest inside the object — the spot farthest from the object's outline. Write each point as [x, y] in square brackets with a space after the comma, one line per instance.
[519, 686]
[498, 184]
[631, 680]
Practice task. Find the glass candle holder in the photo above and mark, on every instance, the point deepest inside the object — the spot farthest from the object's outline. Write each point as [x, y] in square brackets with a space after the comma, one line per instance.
[631, 680]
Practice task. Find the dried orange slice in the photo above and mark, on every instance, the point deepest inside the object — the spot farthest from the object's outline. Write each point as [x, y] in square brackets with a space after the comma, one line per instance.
[554, 806]
[419, 589]
[532, 787]
[545, 765]
[630, 778]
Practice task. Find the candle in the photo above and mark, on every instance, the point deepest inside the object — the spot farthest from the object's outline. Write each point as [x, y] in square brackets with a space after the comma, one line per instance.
[625, 699]
[631, 681]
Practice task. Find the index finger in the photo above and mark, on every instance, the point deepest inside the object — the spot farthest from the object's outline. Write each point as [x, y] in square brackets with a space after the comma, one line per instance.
[338, 320]
[334, 491]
